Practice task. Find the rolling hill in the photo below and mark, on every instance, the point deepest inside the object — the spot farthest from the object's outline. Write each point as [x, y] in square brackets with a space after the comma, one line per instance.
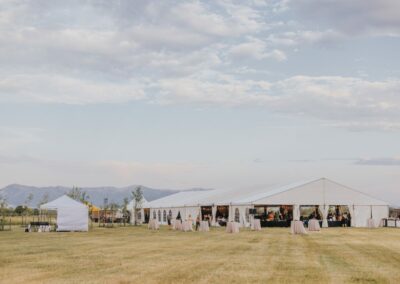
[16, 194]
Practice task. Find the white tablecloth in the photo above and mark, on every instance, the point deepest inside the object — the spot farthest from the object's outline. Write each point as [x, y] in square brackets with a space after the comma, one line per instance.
[44, 229]
[177, 225]
[313, 225]
[204, 227]
[153, 225]
[187, 226]
[297, 227]
[256, 225]
[371, 223]
[232, 227]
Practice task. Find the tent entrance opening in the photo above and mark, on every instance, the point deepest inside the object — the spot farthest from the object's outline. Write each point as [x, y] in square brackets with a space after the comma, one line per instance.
[206, 213]
[339, 216]
[146, 215]
[274, 215]
[308, 212]
[222, 215]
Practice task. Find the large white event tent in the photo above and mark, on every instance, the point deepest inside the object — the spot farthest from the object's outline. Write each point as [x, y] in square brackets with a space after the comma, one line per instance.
[322, 192]
[71, 214]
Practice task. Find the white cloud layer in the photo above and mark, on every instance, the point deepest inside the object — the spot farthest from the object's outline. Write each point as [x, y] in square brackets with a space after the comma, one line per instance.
[197, 52]
[355, 17]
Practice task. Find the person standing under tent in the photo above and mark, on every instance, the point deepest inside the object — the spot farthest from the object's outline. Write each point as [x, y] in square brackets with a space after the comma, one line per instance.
[197, 222]
[344, 220]
[169, 219]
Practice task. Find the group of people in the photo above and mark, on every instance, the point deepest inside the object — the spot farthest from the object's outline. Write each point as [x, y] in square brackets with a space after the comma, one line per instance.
[283, 214]
[344, 218]
[190, 219]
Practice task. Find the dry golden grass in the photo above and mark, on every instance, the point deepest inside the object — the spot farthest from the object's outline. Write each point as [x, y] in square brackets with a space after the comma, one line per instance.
[23, 220]
[137, 255]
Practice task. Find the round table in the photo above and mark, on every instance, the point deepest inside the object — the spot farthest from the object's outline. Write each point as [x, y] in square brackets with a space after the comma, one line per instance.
[371, 223]
[204, 227]
[313, 225]
[153, 225]
[232, 227]
[297, 227]
[187, 226]
[256, 225]
[177, 225]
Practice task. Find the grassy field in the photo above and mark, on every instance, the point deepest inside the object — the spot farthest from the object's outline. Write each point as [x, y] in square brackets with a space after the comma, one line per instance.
[137, 255]
[23, 220]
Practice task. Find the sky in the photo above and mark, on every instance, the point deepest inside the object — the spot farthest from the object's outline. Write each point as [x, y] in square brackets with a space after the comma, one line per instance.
[214, 94]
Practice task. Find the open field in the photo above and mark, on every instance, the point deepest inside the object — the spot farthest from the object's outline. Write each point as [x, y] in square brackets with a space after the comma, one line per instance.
[137, 255]
[23, 220]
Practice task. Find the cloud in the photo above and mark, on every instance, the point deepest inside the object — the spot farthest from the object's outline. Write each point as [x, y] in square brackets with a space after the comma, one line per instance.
[84, 53]
[334, 96]
[255, 49]
[209, 53]
[356, 17]
[54, 88]
[379, 162]
[301, 37]
[369, 125]
[342, 101]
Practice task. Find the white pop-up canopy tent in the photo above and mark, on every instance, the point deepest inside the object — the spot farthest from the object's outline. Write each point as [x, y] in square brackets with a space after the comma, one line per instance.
[71, 214]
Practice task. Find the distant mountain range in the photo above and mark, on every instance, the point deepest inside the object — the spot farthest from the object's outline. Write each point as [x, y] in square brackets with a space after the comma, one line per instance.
[17, 194]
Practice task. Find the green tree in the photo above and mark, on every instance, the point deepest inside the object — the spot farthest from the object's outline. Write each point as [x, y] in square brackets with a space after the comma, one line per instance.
[28, 199]
[3, 210]
[78, 194]
[125, 210]
[45, 199]
[137, 197]
[27, 203]
[19, 210]
[125, 203]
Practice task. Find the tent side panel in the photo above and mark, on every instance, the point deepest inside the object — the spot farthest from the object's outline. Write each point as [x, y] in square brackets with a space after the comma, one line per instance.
[379, 213]
[72, 219]
[361, 215]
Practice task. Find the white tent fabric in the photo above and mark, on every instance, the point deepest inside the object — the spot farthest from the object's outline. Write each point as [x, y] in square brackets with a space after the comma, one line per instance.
[71, 214]
[130, 207]
[322, 192]
[214, 213]
[353, 219]
[361, 215]
[296, 212]
[325, 210]
[243, 221]
[378, 213]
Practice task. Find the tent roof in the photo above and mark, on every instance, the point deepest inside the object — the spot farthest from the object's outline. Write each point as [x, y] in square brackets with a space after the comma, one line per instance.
[63, 201]
[317, 191]
[144, 204]
[180, 199]
[269, 191]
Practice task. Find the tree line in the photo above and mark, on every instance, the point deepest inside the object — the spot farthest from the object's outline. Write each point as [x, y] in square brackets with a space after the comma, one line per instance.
[75, 193]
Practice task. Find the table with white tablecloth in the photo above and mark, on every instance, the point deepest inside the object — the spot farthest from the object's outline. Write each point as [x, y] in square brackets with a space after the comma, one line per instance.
[297, 227]
[187, 226]
[153, 225]
[371, 223]
[255, 225]
[177, 225]
[204, 226]
[313, 225]
[232, 227]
